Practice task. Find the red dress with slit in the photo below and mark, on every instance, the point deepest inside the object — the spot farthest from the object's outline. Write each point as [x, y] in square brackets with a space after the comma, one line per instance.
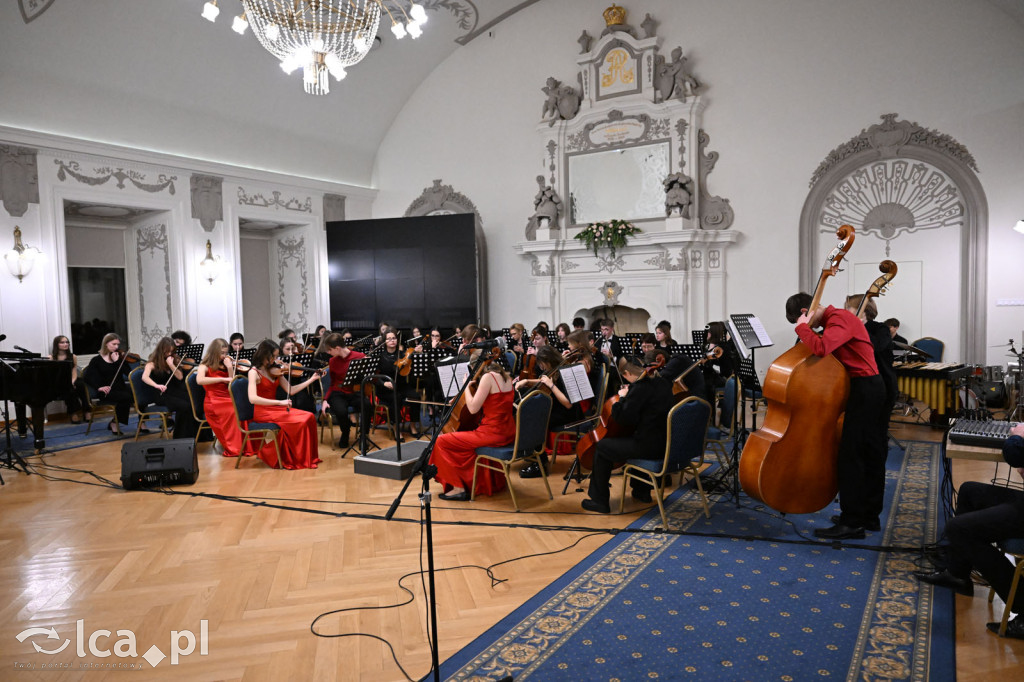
[299, 449]
[455, 453]
[220, 414]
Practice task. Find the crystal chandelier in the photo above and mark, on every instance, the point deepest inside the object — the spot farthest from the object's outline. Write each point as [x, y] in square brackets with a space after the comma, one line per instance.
[321, 36]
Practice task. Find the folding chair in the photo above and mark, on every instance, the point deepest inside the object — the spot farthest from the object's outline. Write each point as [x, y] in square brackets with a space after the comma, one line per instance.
[688, 424]
[144, 396]
[531, 435]
[248, 427]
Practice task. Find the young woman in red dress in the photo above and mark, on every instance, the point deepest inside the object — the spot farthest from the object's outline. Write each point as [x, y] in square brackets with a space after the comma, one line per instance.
[298, 427]
[214, 374]
[454, 453]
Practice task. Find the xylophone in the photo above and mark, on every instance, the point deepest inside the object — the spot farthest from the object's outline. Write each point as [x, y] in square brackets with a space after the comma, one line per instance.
[933, 383]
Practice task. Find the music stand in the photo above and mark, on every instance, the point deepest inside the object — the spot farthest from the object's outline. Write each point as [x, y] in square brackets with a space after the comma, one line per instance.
[10, 458]
[693, 352]
[191, 350]
[359, 372]
[700, 337]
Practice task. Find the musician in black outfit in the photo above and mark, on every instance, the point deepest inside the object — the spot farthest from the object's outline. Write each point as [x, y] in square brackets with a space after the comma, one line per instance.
[986, 514]
[168, 380]
[75, 398]
[609, 344]
[644, 404]
[563, 411]
[386, 388]
[106, 373]
[304, 399]
[674, 367]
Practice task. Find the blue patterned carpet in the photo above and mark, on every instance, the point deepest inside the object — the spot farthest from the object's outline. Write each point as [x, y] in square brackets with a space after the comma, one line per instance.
[64, 436]
[768, 603]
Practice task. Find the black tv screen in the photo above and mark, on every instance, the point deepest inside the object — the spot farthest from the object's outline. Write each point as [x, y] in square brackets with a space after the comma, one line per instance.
[404, 271]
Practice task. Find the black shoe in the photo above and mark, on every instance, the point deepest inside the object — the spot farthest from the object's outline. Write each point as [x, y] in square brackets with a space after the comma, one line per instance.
[962, 586]
[642, 496]
[456, 497]
[839, 532]
[1015, 628]
[591, 505]
[343, 443]
[531, 470]
[871, 525]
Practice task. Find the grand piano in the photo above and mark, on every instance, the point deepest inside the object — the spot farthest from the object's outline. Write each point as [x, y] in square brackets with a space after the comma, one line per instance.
[29, 380]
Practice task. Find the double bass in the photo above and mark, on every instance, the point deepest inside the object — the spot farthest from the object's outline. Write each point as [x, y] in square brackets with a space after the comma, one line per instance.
[878, 287]
[790, 463]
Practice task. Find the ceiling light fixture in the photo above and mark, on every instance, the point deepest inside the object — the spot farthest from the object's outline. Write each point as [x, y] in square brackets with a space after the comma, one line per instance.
[1019, 226]
[322, 36]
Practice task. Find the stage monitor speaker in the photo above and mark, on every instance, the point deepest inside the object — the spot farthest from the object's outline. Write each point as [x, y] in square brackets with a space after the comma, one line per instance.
[993, 393]
[159, 463]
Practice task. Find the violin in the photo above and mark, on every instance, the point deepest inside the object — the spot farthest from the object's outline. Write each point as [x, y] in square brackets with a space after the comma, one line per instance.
[461, 419]
[606, 426]
[131, 358]
[790, 463]
[679, 389]
[403, 365]
[184, 365]
[529, 370]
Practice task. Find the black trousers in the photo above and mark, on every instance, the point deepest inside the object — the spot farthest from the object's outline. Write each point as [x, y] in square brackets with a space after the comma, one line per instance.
[340, 403]
[862, 452]
[611, 452]
[185, 423]
[985, 514]
[120, 396]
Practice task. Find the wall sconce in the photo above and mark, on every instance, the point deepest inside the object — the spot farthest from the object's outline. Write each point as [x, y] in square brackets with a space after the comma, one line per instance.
[210, 266]
[1019, 227]
[21, 258]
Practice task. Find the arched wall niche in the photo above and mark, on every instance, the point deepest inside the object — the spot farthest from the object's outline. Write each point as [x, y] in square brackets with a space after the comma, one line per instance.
[950, 168]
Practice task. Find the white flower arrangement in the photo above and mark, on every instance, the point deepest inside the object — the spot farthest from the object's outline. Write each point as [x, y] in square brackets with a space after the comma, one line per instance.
[613, 234]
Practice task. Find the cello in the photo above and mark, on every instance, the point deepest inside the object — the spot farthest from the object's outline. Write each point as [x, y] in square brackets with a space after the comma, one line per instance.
[607, 427]
[461, 419]
[790, 463]
[679, 389]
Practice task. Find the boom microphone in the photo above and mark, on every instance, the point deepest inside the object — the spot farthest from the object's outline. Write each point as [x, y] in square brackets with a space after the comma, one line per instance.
[488, 344]
[23, 350]
[3, 336]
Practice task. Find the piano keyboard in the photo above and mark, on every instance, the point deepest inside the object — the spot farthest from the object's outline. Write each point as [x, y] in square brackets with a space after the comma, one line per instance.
[985, 434]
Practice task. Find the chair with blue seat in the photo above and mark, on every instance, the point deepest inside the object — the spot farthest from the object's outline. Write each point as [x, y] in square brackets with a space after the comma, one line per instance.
[1015, 548]
[684, 454]
[244, 414]
[720, 437]
[932, 346]
[511, 358]
[531, 434]
[144, 396]
[197, 398]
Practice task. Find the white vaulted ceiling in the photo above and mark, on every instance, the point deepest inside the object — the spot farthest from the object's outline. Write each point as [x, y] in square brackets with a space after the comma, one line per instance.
[155, 75]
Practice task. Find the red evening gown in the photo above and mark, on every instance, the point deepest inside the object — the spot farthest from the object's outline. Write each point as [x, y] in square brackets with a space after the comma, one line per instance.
[221, 415]
[298, 444]
[455, 453]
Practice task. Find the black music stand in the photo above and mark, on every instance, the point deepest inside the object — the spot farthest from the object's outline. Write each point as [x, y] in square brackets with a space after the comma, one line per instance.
[423, 367]
[10, 458]
[191, 350]
[361, 371]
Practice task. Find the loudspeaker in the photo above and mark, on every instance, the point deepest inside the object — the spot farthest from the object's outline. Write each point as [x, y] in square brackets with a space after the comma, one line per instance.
[159, 463]
[993, 393]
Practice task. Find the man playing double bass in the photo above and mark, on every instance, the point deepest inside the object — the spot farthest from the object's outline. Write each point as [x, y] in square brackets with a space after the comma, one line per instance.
[643, 404]
[862, 446]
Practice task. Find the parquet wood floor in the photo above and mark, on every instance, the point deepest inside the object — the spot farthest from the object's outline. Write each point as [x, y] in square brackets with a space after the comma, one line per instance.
[259, 574]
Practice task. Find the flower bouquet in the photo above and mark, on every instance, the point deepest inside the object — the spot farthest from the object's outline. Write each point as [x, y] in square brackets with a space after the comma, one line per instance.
[613, 234]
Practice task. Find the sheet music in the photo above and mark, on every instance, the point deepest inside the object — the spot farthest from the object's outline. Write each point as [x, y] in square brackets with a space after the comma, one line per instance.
[737, 339]
[747, 333]
[576, 382]
[453, 377]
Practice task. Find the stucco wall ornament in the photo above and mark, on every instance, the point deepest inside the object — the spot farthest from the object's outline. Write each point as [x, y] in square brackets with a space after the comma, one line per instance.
[291, 255]
[19, 179]
[32, 9]
[440, 198]
[334, 208]
[207, 199]
[615, 21]
[671, 79]
[257, 199]
[561, 103]
[618, 129]
[715, 212]
[678, 194]
[104, 173]
[611, 292]
[887, 138]
[152, 261]
[547, 207]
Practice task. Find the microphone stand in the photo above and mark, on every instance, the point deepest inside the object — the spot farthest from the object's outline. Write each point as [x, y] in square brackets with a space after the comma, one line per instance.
[428, 471]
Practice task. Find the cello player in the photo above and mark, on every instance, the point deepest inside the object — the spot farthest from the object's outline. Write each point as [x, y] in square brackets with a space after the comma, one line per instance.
[645, 404]
[862, 446]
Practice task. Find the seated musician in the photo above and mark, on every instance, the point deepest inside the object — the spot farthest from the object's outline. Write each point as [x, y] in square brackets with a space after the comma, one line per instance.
[578, 323]
[863, 444]
[168, 379]
[986, 514]
[674, 368]
[340, 399]
[563, 331]
[106, 374]
[237, 342]
[397, 384]
[181, 338]
[580, 342]
[454, 453]
[538, 339]
[297, 440]
[894, 330]
[214, 374]
[644, 405]
[519, 343]
[663, 334]
[302, 399]
[75, 397]
[563, 411]
[285, 335]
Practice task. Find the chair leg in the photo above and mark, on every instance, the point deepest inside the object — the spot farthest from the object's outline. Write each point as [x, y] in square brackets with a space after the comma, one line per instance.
[1013, 592]
[700, 491]
[544, 475]
[658, 496]
[472, 491]
[508, 481]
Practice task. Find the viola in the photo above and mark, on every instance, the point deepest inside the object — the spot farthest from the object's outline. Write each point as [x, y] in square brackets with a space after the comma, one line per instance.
[403, 365]
[606, 426]
[461, 419]
[790, 463]
[679, 389]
